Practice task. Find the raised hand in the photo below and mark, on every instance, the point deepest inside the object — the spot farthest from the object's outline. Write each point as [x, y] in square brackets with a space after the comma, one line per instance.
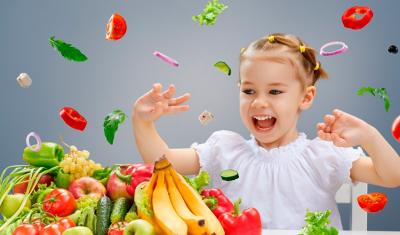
[343, 129]
[155, 103]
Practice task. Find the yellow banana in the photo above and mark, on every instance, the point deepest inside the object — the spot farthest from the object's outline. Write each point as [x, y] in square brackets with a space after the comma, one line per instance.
[145, 189]
[164, 212]
[196, 224]
[196, 204]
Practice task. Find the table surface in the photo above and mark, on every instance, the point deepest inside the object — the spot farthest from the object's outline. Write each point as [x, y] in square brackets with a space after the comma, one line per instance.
[295, 232]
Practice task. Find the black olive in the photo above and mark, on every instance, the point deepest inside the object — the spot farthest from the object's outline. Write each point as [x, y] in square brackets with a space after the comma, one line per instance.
[393, 49]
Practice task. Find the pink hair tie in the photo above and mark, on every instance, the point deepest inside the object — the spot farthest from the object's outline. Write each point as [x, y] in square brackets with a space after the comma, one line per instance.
[335, 52]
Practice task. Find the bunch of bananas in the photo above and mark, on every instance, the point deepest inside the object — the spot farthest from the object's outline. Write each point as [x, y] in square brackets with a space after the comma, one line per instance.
[176, 207]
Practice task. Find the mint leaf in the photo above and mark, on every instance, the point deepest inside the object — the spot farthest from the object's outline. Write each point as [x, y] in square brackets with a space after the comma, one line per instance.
[111, 123]
[210, 13]
[67, 50]
[380, 92]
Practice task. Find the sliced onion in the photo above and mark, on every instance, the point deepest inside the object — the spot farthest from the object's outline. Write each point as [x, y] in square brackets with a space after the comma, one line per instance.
[38, 141]
[165, 58]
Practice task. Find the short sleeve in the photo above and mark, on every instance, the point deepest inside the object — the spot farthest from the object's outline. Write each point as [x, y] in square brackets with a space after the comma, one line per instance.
[332, 164]
[207, 152]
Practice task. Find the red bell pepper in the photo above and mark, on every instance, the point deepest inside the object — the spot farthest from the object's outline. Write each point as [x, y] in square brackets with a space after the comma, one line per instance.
[217, 201]
[349, 19]
[134, 175]
[247, 222]
[73, 118]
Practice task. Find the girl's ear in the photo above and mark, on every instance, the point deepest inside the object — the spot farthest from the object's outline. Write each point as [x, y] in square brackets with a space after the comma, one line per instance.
[308, 98]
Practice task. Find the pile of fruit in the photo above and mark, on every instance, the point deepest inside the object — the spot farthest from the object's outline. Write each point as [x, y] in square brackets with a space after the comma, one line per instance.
[69, 194]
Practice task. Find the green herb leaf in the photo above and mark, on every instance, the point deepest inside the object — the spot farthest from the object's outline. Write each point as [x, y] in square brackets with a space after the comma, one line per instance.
[317, 224]
[380, 92]
[67, 51]
[111, 123]
[210, 13]
[200, 181]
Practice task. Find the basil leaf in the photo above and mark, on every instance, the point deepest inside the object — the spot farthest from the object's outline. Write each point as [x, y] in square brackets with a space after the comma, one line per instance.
[210, 13]
[67, 51]
[380, 92]
[111, 123]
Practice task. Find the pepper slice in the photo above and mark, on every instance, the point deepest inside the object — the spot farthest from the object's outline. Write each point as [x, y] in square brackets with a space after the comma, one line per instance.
[349, 19]
[73, 118]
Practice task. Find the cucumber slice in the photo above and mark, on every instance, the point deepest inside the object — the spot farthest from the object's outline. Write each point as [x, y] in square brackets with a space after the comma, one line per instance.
[223, 67]
[229, 174]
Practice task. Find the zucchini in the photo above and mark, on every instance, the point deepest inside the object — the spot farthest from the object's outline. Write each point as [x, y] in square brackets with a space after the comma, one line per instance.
[103, 212]
[120, 208]
[229, 174]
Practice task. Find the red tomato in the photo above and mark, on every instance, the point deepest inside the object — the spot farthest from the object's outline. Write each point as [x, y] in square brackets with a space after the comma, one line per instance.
[59, 202]
[66, 223]
[396, 129]
[52, 229]
[38, 225]
[372, 202]
[116, 27]
[26, 229]
[117, 228]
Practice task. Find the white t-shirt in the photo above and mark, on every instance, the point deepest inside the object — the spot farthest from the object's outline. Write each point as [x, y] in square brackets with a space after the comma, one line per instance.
[281, 182]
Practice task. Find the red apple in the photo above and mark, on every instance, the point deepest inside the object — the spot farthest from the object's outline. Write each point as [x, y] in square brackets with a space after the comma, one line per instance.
[44, 179]
[87, 186]
[116, 188]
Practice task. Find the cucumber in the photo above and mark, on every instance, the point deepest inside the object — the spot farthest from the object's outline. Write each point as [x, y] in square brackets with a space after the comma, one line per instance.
[120, 208]
[103, 212]
[132, 213]
[229, 174]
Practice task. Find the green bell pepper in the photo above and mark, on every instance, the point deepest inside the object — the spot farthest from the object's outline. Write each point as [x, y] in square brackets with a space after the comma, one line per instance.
[62, 179]
[49, 155]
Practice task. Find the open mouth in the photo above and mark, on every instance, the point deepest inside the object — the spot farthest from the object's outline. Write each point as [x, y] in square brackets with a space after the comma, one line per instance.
[264, 123]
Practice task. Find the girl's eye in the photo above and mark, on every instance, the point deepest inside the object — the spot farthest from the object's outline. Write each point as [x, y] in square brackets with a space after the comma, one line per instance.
[248, 91]
[275, 92]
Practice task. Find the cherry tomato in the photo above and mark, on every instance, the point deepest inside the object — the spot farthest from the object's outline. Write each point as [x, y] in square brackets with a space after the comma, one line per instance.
[117, 228]
[59, 202]
[396, 129]
[66, 223]
[116, 27]
[26, 229]
[372, 202]
[52, 229]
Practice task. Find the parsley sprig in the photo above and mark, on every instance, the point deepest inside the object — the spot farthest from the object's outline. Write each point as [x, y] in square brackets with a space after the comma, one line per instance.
[380, 92]
[210, 13]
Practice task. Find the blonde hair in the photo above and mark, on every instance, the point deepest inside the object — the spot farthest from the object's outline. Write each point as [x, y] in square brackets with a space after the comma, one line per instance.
[306, 55]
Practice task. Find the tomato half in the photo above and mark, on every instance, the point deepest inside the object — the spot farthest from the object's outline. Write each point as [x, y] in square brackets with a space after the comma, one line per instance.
[59, 202]
[396, 128]
[372, 202]
[26, 229]
[116, 27]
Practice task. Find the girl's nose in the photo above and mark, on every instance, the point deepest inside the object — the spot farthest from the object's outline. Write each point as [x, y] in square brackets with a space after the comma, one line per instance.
[260, 102]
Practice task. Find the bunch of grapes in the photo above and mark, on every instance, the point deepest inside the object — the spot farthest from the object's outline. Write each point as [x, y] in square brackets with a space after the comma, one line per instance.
[77, 163]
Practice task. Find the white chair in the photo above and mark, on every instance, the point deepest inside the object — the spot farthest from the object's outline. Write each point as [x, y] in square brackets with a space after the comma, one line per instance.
[348, 194]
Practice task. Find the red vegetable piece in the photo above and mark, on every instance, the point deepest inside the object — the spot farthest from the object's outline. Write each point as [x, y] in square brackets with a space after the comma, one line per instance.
[372, 202]
[396, 128]
[59, 202]
[73, 118]
[350, 21]
[116, 27]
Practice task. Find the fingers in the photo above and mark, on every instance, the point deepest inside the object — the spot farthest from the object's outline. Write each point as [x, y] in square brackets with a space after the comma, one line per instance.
[170, 92]
[338, 141]
[178, 109]
[325, 136]
[179, 100]
[157, 87]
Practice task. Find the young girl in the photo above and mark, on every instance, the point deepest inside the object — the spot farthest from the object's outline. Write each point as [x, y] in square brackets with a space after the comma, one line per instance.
[281, 172]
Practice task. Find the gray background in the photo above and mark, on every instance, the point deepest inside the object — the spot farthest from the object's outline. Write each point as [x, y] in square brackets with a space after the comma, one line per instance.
[117, 73]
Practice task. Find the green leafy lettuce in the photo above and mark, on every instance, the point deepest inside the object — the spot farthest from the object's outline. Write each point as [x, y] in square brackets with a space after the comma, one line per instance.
[111, 123]
[67, 50]
[380, 92]
[210, 13]
[200, 181]
[317, 224]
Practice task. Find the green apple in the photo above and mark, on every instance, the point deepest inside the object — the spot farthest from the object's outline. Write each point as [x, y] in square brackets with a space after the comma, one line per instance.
[139, 227]
[78, 230]
[11, 204]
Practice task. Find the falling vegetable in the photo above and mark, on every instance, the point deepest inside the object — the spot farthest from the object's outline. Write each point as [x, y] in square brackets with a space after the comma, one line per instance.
[67, 50]
[210, 13]
[24, 80]
[111, 123]
[380, 92]
[116, 27]
[223, 67]
[317, 224]
[73, 118]
[166, 59]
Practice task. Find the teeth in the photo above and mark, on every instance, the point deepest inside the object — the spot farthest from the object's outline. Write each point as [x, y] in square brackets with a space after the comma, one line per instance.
[261, 118]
